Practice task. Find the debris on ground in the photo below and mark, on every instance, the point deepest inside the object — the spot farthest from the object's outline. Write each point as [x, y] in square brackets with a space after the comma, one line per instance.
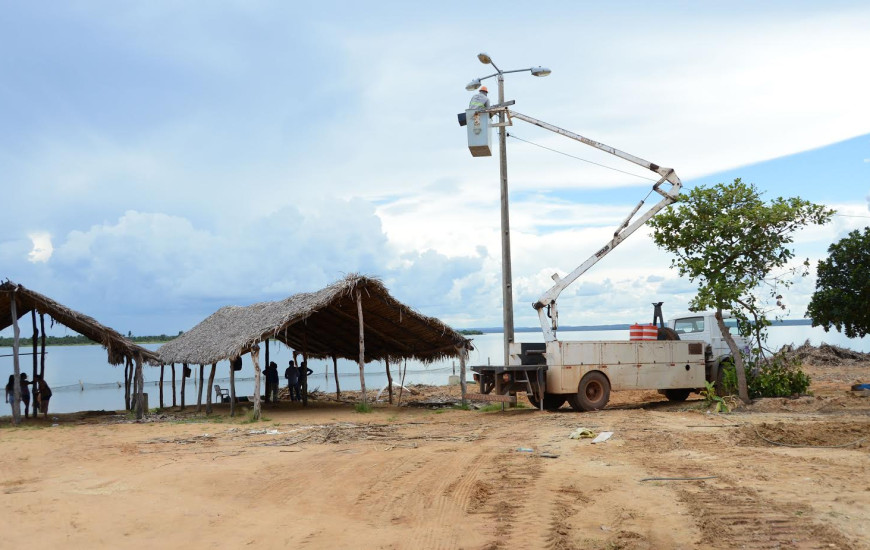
[824, 355]
[582, 433]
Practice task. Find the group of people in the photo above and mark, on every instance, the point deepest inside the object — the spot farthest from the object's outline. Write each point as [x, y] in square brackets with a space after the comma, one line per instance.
[295, 376]
[41, 394]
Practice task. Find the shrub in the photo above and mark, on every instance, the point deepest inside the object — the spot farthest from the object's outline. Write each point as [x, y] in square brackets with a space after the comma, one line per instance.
[780, 377]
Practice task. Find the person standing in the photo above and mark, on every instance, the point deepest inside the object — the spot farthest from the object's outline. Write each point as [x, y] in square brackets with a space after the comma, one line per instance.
[480, 100]
[302, 384]
[25, 395]
[292, 376]
[272, 382]
[41, 395]
[10, 390]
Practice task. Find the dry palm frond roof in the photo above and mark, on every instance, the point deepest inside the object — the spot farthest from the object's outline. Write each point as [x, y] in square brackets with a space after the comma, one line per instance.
[323, 323]
[118, 347]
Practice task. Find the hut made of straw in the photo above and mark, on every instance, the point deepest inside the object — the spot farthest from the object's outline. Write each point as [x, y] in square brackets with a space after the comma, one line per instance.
[324, 324]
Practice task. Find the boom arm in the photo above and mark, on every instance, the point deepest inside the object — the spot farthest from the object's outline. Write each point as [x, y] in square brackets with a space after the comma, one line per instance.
[546, 304]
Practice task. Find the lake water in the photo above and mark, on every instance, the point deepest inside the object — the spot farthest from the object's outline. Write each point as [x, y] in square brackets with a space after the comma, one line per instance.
[81, 379]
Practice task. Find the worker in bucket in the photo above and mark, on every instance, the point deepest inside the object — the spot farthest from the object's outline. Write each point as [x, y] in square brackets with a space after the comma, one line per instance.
[480, 100]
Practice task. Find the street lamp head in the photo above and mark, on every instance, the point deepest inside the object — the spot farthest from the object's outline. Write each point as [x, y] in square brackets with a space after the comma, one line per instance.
[473, 85]
[484, 58]
[540, 71]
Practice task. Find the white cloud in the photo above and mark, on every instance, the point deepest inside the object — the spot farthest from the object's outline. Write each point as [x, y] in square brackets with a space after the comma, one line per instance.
[42, 248]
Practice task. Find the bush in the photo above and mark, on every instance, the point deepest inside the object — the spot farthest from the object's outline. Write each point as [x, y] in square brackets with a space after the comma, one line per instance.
[780, 377]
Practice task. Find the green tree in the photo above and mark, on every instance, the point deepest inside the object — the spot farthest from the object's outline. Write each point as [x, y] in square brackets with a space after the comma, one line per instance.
[843, 287]
[731, 242]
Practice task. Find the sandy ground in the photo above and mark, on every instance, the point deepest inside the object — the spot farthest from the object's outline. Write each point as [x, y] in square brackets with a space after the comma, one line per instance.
[416, 477]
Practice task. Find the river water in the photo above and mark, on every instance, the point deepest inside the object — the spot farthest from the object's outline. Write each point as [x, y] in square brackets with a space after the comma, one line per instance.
[81, 379]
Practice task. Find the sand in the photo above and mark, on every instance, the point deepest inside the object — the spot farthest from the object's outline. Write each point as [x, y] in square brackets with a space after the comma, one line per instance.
[416, 477]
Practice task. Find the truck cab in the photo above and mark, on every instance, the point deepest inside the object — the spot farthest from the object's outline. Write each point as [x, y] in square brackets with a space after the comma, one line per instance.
[703, 326]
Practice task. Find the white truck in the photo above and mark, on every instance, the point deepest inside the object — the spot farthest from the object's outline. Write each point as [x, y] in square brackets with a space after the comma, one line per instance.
[583, 373]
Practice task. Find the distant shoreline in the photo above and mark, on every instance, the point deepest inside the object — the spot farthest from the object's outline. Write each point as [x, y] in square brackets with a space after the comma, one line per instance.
[77, 341]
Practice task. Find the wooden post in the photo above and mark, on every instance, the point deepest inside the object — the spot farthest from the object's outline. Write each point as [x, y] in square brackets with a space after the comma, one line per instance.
[134, 383]
[335, 370]
[162, 366]
[199, 396]
[42, 334]
[233, 387]
[265, 366]
[35, 356]
[183, 384]
[462, 354]
[128, 406]
[303, 372]
[208, 390]
[16, 367]
[173, 385]
[255, 357]
[389, 379]
[362, 346]
[140, 391]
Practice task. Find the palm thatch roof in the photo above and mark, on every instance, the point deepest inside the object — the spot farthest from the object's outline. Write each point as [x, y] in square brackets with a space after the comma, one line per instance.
[323, 323]
[118, 347]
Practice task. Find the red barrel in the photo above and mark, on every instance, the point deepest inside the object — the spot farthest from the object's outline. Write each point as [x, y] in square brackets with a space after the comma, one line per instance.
[643, 332]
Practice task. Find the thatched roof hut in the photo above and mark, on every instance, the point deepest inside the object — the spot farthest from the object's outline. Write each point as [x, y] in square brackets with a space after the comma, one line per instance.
[324, 324]
[120, 349]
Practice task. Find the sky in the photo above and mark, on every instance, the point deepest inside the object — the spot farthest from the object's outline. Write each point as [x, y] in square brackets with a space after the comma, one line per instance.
[159, 160]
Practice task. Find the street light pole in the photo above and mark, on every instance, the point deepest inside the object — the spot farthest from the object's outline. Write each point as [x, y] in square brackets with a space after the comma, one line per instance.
[506, 277]
[507, 283]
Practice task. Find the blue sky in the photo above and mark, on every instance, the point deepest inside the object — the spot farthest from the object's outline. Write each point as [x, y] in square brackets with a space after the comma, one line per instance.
[162, 159]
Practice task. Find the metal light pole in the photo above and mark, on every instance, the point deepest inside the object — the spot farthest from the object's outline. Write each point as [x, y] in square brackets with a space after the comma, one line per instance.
[507, 282]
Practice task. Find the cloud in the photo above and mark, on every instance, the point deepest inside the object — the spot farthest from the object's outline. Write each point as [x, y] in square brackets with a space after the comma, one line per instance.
[42, 248]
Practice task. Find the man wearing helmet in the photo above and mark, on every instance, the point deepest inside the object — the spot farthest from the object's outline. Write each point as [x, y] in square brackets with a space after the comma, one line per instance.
[480, 100]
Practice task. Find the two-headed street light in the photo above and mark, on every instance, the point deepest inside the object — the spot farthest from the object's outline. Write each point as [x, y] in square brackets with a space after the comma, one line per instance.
[507, 291]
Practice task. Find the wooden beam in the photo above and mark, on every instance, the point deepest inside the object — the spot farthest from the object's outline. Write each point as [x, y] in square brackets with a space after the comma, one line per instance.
[173, 385]
[462, 354]
[42, 335]
[233, 386]
[255, 357]
[35, 350]
[199, 395]
[362, 345]
[335, 370]
[389, 380]
[162, 367]
[209, 389]
[16, 367]
[373, 330]
[184, 368]
[140, 392]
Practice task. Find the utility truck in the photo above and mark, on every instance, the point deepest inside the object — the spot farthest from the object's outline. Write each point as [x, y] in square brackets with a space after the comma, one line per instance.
[676, 360]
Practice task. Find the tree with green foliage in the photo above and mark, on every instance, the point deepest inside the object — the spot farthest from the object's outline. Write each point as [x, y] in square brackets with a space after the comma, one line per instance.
[731, 242]
[843, 287]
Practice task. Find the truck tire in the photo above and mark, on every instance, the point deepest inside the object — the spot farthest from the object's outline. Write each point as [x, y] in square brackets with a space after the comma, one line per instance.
[668, 334]
[677, 395]
[593, 393]
[552, 401]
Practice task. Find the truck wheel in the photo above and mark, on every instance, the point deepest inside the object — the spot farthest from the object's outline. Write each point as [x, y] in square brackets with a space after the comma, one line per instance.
[677, 395]
[593, 393]
[551, 401]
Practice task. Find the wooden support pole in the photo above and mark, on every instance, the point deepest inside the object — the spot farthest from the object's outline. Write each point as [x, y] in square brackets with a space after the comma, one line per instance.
[402, 383]
[174, 403]
[389, 379]
[42, 335]
[335, 370]
[362, 347]
[128, 406]
[208, 390]
[134, 383]
[265, 366]
[255, 358]
[16, 366]
[162, 367]
[35, 343]
[303, 372]
[140, 391]
[183, 384]
[233, 386]
[462, 355]
[199, 395]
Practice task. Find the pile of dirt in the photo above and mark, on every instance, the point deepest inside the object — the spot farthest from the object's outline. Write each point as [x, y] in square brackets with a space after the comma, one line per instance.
[825, 354]
[809, 434]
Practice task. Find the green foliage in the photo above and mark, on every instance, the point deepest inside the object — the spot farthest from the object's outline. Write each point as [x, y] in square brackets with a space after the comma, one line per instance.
[729, 241]
[462, 407]
[843, 287]
[79, 340]
[492, 407]
[469, 332]
[362, 408]
[780, 377]
[711, 399]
